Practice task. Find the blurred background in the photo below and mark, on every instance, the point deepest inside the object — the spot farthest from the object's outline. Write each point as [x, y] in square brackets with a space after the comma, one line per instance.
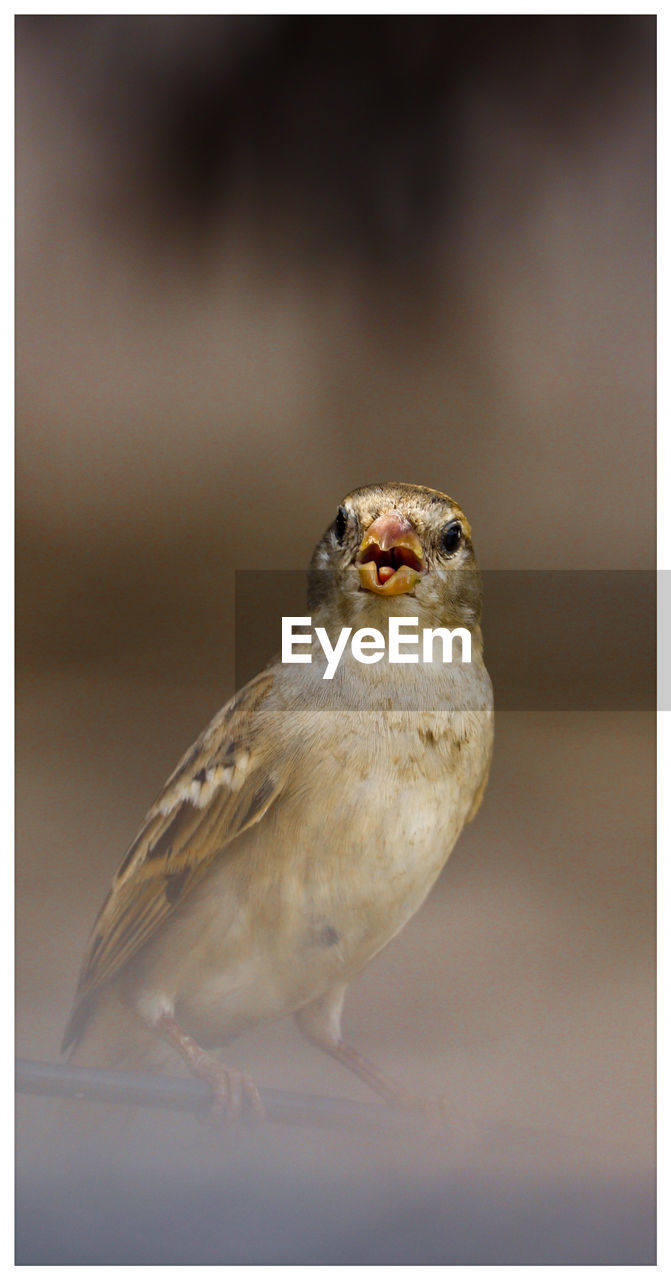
[261, 261]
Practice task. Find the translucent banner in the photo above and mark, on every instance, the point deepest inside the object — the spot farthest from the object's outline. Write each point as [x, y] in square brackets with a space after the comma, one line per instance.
[554, 640]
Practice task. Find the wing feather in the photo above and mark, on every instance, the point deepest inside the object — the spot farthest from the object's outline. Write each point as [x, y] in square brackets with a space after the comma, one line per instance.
[221, 787]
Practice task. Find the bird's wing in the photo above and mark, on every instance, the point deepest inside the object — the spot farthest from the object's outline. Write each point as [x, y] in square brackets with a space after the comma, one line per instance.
[224, 784]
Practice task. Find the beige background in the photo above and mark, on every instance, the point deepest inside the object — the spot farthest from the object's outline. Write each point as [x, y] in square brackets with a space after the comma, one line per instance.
[198, 384]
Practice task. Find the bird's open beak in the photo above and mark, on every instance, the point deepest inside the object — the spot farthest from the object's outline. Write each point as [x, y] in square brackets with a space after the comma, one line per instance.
[390, 559]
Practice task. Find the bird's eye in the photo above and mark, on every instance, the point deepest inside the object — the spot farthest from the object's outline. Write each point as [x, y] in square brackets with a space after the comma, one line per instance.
[340, 525]
[451, 537]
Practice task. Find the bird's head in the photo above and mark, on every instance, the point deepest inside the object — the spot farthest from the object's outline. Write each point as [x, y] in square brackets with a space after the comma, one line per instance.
[396, 549]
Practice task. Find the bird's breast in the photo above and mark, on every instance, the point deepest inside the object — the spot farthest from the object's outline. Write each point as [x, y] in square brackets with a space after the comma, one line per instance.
[377, 815]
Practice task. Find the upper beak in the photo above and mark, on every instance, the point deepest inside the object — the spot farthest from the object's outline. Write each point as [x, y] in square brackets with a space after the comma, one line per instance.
[391, 558]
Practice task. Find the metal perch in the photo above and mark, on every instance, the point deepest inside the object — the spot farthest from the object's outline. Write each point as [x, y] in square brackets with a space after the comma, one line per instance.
[132, 1088]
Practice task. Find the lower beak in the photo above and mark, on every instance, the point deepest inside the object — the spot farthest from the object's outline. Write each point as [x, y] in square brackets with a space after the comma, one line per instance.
[391, 558]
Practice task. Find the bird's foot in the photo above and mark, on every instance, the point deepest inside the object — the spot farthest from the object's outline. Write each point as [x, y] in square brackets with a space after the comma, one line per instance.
[436, 1111]
[234, 1093]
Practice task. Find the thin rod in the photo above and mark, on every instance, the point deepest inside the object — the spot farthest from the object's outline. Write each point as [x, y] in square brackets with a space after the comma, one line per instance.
[132, 1088]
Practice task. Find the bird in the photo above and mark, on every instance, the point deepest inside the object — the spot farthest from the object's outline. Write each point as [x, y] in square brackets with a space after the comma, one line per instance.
[308, 822]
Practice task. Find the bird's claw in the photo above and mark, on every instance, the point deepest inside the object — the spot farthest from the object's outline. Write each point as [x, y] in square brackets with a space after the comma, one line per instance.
[436, 1111]
[235, 1096]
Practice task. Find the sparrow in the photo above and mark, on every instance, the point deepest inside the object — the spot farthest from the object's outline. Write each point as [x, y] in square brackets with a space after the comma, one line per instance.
[307, 823]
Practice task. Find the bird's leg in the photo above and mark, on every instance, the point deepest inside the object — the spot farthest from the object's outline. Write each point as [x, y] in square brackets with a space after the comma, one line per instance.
[232, 1090]
[320, 1024]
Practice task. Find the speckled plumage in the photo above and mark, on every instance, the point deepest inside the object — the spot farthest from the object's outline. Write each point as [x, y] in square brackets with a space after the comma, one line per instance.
[306, 825]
